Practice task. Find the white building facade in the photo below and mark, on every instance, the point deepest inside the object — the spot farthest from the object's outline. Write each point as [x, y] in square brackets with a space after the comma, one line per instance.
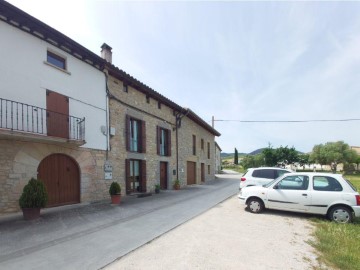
[53, 113]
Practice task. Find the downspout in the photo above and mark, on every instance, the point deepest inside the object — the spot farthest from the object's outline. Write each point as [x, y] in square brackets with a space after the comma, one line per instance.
[107, 116]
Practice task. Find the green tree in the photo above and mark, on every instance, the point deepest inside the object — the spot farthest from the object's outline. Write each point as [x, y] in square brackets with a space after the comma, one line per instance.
[303, 159]
[236, 157]
[252, 161]
[286, 155]
[270, 158]
[333, 153]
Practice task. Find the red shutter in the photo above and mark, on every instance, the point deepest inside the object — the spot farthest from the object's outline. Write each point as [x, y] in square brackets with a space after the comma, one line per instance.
[169, 142]
[143, 137]
[158, 134]
[143, 176]
[127, 132]
[127, 175]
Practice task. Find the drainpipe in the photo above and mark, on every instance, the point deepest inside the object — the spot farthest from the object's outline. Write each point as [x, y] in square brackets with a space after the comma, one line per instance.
[107, 116]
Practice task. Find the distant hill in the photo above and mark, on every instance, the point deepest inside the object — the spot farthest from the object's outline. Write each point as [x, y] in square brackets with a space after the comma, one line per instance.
[257, 151]
[253, 153]
[225, 155]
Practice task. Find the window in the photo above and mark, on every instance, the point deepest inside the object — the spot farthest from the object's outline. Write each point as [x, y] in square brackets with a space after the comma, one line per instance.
[194, 144]
[326, 183]
[208, 169]
[294, 182]
[265, 173]
[125, 88]
[202, 144]
[208, 148]
[163, 141]
[135, 135]
[159, 105]
[147, 99]
[56, 60]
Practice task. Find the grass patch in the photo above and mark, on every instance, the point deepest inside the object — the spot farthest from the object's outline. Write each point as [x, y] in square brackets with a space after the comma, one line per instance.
[339, 244]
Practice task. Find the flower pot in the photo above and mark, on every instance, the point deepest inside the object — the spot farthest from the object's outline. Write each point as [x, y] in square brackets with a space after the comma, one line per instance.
[176, 187]
[31, 213]
[157, 190]
[115, 199]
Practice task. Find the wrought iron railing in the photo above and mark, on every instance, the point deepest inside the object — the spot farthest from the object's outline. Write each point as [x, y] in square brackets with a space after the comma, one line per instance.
[32, 119]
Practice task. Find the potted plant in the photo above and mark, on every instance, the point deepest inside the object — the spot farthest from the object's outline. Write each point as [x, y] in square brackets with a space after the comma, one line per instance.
[157, 188]
[115, 193]
[33, 198]
[176, 185]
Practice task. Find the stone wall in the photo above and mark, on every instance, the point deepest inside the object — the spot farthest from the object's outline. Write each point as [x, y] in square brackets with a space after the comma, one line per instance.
[186, 131]
[139, 108]
[19, 161]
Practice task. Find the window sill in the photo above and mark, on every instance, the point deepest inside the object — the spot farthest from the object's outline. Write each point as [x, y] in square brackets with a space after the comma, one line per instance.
[51, 65]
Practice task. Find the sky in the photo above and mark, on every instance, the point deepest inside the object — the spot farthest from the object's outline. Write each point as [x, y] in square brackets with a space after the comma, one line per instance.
[234, 60]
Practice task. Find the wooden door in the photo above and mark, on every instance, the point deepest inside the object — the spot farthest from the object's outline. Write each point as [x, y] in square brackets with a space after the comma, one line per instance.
[191, 173]
[61, 177]
[202, 172]
[163, 175]
[57, 117]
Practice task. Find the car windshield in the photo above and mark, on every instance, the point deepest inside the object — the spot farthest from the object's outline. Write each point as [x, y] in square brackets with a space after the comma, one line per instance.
[270, 183]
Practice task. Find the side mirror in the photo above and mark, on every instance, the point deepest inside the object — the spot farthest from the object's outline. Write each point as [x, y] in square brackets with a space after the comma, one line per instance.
[276, 187]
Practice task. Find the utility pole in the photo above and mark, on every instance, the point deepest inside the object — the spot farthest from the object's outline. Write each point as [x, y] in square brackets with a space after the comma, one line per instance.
[212, 121]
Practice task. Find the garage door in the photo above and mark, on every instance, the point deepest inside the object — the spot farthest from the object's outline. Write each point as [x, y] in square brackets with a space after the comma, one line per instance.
[61, 177]
[191, 173]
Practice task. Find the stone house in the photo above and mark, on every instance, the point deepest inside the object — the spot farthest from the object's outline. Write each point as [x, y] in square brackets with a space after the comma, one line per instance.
[51, 117]
[217, 158]
[154, 140]
[77, 122]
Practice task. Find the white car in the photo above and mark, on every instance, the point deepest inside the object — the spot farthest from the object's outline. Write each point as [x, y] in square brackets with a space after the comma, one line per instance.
[260, 176]
[315, 193]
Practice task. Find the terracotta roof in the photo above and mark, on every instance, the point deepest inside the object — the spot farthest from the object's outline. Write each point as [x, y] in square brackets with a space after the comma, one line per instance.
[29, 24]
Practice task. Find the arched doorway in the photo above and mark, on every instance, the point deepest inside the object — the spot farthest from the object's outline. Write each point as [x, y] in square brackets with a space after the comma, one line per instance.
[61, 176]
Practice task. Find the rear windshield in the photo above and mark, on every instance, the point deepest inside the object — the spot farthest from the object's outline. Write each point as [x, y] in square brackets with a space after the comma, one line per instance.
[264, 173]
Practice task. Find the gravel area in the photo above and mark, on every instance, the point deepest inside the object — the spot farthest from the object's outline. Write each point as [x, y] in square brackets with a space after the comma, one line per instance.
[228, 237]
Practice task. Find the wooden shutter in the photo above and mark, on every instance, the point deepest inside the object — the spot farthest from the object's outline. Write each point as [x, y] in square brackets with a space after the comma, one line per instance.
[143, 175]
[127, 132]
[143, 137]
[127, 175]
[169, 142]
[158, 134]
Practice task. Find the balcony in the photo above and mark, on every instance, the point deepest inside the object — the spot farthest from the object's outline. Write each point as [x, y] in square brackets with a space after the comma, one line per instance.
[23, 121]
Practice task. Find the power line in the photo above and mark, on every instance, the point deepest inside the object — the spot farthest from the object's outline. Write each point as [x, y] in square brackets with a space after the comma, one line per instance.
[289, 121]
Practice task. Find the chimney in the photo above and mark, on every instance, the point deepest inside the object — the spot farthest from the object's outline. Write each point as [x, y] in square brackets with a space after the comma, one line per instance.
[106, 52]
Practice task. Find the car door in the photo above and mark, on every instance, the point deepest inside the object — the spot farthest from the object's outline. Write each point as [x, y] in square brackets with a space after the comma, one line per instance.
[290, 193]
[325, 191]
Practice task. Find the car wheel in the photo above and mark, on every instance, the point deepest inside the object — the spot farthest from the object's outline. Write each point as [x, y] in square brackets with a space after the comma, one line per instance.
[340, 214]
[255, 205]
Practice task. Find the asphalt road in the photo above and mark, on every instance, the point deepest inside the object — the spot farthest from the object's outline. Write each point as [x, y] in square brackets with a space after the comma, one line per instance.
[92, 236]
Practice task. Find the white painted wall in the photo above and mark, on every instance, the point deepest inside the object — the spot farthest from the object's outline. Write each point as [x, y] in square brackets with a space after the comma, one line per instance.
[25, 78]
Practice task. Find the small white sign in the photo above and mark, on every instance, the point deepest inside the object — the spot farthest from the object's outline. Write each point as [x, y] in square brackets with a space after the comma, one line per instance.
[108, 175]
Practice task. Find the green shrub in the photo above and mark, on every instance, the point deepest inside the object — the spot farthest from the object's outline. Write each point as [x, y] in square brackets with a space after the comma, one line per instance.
[34, 195]
[114, 188]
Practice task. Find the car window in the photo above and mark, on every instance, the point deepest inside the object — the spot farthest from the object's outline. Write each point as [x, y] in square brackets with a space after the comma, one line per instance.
[294, 182]
[280, 172]
[326, 183]
[264, 173]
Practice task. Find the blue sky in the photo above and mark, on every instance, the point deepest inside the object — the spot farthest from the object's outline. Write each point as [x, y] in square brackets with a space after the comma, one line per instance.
[234, 61]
